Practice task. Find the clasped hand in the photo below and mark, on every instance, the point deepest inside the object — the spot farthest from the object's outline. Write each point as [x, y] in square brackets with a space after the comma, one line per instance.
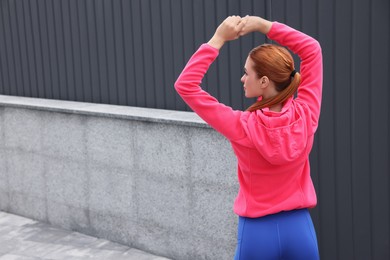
[235, 26]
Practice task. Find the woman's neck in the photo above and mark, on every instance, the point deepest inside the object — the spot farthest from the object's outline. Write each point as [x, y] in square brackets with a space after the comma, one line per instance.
[276, 108]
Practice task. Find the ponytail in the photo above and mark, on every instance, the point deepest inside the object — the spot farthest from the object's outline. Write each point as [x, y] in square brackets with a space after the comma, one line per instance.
[281, 97]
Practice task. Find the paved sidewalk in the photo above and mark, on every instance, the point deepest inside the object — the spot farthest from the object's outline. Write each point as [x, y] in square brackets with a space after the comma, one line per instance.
[25, 239]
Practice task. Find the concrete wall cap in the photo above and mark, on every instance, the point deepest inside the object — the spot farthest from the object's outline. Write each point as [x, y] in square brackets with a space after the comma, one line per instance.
[105, 110]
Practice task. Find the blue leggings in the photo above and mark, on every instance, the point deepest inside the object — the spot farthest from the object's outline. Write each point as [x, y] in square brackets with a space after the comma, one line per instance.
[285, 235]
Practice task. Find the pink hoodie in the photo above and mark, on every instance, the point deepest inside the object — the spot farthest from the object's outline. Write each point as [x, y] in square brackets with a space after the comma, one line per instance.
[272, 148]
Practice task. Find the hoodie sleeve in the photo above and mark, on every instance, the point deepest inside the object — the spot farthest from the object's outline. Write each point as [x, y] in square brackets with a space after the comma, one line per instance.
[219, 116]
[309, 51]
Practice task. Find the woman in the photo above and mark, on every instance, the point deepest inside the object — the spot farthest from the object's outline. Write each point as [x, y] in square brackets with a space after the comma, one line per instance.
[272, 139]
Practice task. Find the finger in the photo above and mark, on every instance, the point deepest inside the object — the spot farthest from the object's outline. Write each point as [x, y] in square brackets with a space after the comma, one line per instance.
[240, 25]
[242, 22]
[241, 28]
[244, 30]
[235, 19]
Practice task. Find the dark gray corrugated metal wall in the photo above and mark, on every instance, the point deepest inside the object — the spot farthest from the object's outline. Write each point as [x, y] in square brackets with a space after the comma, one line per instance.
[129, 52]
[126, 52]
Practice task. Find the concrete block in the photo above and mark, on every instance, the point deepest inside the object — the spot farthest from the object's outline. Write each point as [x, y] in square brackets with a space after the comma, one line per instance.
[2, 129]
[68, 217]
[63, 136]
[111, 190]
[22, 129]
[24, 204]
[4, 200]
[211, 157]
[114, 227]
[162, 149]
[3, 171]
[157, 239]
[26, 173]
[213, 219]
[110, 142]
[163, 201]
[212, 213]
[4, 183]
[164, 223]
[216, 248]
[67, 182]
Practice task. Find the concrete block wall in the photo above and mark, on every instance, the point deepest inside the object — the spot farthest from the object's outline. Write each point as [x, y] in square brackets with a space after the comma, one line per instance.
[158, 180]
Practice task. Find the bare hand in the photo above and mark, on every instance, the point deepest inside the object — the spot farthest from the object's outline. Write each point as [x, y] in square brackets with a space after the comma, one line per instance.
[255, 24]
[228, 30]
[234, 26]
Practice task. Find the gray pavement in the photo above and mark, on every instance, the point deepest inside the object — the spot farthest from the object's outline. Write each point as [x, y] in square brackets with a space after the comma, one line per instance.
[25, 239]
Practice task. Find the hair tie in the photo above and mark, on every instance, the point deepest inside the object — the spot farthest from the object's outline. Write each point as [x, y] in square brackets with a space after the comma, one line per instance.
[293, 73]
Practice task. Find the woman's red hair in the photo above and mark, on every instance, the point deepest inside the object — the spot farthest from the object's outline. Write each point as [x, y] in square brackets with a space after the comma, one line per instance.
[277, 64]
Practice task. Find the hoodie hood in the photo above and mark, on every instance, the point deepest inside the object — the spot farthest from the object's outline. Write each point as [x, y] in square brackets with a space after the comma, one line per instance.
[280, 137]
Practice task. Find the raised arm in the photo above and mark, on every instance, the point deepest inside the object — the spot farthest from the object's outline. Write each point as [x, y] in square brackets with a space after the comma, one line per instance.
[222, 118]
[309, 51]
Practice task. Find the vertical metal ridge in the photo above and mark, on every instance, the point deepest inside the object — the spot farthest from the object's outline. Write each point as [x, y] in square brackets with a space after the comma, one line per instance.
[1, 57]
[112, 81]
[352, 117]
[106, 54]
[143, 55]
[217, 64]
[40, 26]
[153, 58]
[268, 15]
[31, 60]
[268, 10]
[163, 57]
[83, 84]
[8, 50]
[334, 114]
[388, 116]
[173, 50]
[127, 102]
[56, 54]
[115, 53]
[64, 52]
[49, 53]
[335, 165]
[72, 51]
[1, 71]
[228, 58]
[370, 128]
[97, 50]
[133, 51]
[23, 87]
[35, 61]
[89, 50]
[5, 47]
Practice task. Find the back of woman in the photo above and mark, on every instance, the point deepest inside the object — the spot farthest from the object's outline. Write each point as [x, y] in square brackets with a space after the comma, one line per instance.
[272, 139]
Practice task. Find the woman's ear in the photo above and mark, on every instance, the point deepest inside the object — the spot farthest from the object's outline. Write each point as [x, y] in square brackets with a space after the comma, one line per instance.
[264, 82]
